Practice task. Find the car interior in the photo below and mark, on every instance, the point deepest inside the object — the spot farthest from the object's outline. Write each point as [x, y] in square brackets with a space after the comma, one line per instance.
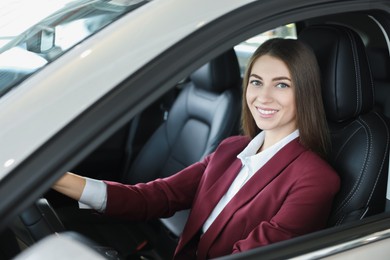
[190, 120]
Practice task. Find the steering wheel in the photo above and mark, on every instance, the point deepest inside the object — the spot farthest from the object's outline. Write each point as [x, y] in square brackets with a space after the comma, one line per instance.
[41, 220]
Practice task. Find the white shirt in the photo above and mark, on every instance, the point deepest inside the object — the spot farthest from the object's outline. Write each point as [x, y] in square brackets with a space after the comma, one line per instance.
[251, 163]
[95, 191]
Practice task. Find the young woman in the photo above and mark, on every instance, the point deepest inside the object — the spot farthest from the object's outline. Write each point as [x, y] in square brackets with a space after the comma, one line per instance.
[270, 184]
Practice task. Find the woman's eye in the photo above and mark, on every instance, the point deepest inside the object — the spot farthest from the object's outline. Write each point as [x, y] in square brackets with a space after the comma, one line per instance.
[282, 85]
[255, 82]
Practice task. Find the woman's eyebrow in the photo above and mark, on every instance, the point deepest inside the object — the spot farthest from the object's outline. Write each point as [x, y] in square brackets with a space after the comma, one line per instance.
[281, 78]
[255, 75]
[274, 79]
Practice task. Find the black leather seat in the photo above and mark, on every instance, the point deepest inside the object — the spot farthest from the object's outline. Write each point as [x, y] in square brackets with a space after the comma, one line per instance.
[360, 135]
[206, 111]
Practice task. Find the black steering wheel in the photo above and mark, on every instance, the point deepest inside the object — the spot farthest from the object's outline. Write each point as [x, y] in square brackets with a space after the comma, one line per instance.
[41, 220]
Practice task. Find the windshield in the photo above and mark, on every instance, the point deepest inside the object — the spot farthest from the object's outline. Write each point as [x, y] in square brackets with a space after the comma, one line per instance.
[26, 48]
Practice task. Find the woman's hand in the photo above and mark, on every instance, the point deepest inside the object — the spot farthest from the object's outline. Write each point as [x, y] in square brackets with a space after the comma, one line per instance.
[71, 185]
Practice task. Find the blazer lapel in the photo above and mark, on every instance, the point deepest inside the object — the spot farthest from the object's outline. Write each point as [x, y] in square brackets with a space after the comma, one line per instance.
[205, 204]
[258, 181]
[209, 195]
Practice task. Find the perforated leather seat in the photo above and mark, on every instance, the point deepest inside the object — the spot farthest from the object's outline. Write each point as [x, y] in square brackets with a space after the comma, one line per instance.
[360, 135]
[206, 111]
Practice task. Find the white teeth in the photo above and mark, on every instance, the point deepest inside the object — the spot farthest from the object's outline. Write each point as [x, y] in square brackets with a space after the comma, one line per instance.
[267, 112]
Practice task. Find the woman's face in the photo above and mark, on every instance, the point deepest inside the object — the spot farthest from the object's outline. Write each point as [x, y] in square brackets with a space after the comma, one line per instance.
[270, 96]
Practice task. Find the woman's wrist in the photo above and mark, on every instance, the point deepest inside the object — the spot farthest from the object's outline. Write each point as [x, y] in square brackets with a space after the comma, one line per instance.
[71, 185]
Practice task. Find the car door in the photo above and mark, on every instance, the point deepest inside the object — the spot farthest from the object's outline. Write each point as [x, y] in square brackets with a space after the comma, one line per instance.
[117, 107]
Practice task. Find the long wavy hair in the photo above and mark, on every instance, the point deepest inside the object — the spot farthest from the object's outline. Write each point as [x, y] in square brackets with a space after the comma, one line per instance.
[305, 73]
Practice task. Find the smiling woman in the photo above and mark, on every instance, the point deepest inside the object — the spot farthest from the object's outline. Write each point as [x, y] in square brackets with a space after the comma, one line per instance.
[270, 97]
[275, 175]
[304, 108]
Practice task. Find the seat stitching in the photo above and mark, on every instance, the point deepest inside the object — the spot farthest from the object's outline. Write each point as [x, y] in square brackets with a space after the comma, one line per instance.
[384, 157]
[362, 175]
[367, 162]
[356, 70]
[371, 81]
[345, 142]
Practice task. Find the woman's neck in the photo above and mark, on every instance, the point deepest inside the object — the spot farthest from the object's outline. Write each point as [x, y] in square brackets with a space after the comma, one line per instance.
[271, 138]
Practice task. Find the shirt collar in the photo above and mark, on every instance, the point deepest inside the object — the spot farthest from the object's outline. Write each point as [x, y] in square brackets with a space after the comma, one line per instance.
[253, 160]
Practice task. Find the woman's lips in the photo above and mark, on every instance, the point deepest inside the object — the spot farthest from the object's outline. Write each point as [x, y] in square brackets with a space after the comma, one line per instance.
[266, 112]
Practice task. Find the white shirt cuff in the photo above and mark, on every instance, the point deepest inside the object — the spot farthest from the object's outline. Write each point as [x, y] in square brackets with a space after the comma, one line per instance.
[94, 195]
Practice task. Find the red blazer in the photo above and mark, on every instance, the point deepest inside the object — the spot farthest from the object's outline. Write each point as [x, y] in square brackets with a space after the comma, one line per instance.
[289, 196]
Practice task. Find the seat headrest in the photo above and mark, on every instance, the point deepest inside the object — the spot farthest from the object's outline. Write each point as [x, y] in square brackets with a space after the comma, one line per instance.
[219, 74]
[347, 86]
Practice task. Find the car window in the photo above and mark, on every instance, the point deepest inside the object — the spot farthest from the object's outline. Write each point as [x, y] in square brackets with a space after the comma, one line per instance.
[30, 44]
[245, 49]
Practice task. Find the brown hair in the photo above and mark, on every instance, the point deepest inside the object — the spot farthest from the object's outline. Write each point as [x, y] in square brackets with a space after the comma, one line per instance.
[305, 75]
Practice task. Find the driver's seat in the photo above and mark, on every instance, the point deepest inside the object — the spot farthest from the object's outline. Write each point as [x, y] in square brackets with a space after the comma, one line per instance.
[206, 111]
[360, 134]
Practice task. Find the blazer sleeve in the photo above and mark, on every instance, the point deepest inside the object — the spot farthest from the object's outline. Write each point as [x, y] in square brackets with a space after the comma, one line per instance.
[158, 198]
[305, 209]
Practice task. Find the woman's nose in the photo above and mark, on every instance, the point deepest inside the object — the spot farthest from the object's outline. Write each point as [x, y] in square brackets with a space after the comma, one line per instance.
[265, 94]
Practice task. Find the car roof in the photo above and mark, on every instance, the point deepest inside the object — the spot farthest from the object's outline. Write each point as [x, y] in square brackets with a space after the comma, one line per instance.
[51, 98]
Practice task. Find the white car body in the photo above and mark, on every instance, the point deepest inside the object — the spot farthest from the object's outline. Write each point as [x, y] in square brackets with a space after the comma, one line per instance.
[41, 101]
